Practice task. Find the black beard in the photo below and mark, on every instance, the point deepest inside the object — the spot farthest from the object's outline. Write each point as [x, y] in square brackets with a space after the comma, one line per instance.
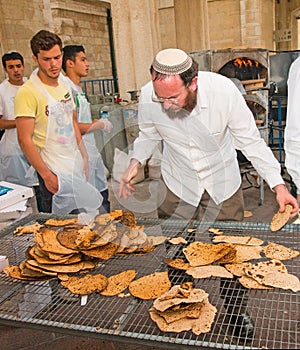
[189, 104]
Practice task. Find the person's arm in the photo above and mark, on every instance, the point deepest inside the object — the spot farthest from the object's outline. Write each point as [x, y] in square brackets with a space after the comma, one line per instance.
[80, 144]
[7, 124]
[292, 128]
[284, 197]
[130, 173]
[25, 128]
[249, 141]
[99, 124]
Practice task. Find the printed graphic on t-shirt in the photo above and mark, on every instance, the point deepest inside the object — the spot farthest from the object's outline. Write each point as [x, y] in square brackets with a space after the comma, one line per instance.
[62, 119]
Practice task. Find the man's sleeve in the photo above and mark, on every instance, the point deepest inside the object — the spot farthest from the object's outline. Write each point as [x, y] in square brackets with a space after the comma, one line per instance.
[292, 128]
[25, 103]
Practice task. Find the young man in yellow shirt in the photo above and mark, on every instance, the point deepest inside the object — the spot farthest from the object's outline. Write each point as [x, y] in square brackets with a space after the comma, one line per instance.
[48, 132]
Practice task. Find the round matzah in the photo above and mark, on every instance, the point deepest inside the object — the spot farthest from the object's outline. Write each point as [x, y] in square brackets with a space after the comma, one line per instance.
[68, 238]
[51, 244]
[104, 252]
[16, 272]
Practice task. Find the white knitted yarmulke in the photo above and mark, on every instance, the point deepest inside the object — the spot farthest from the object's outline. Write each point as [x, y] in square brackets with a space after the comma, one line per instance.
[172, 62]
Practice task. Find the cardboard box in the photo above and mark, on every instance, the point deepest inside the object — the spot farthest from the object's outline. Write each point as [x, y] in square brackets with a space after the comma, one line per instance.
[3, 262]
[16, 194]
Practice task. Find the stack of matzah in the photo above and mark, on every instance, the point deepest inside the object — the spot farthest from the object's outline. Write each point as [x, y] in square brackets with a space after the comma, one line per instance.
[183, 308]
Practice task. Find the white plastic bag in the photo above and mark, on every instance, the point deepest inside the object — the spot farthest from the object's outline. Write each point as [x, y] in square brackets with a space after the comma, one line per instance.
[121, 162]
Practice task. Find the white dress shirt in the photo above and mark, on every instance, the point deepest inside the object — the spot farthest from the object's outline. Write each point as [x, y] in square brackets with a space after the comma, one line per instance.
[292, 128]
[199, 151]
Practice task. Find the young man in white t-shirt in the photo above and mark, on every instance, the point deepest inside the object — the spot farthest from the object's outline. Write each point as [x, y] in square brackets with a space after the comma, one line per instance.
[76, 66]
[14, 167]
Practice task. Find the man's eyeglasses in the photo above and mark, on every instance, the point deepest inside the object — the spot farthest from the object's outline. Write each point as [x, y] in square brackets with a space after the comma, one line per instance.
[174, 101]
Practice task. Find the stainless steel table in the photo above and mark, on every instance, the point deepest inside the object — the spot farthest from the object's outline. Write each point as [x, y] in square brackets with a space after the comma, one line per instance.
[41, 305]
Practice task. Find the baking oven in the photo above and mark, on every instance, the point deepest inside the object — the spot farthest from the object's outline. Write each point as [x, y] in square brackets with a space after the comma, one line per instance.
[249, 70]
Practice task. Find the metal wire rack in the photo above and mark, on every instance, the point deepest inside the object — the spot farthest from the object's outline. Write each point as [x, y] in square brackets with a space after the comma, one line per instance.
[46, 305]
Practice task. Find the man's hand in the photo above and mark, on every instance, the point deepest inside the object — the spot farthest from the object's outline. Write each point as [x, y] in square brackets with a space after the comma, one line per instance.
[130, 173]
[283, 197]
[298, 199]
[107, 125]
[51, 182]
[86, 167]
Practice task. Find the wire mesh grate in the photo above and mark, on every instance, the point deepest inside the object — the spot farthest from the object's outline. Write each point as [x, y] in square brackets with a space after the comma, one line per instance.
[275, 313]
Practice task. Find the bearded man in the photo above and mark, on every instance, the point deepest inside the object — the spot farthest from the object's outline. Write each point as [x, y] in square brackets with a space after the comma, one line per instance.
[201, 118]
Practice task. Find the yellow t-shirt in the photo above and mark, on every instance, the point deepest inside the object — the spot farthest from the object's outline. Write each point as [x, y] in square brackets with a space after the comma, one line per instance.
[31, 102]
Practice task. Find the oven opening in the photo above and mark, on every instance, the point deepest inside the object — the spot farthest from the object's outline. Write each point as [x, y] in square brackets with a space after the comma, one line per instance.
[245, 69]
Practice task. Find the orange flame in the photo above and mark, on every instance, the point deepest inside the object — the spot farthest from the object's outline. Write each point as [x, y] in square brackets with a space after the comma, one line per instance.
[244, 61]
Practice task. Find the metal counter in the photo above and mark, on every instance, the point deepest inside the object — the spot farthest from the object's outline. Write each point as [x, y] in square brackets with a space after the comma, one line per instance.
[48, 306]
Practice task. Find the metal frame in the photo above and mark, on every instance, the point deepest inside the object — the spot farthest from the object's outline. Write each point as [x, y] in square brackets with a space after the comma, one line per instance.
[275, 313]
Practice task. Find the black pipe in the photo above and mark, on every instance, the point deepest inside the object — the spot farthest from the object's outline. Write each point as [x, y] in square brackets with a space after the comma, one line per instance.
[112, 51]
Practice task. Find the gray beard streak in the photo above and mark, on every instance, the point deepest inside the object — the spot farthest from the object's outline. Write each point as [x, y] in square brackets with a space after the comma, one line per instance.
[176, 114]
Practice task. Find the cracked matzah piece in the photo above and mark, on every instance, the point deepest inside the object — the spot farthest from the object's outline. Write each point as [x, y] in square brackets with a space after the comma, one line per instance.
[251, 283]
[237, 269]
[177, 312]
[86, 285]
[47, 240]
[273, 273]
[280, 280]
[104, 252]
[198, 253]
[209, 271]
[178, 263]
[179, 294]
[280, 219]
[201, 324]
[27, 229]
[264, 267]
[246, 240]
[118, 283]
[279, 252]
[151, 286]
[64, 222]
[245, 253]
[178, 240]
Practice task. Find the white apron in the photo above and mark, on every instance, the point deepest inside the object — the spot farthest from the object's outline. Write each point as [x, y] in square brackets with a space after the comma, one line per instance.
[62, 156]
[14, 166]
[96, 166]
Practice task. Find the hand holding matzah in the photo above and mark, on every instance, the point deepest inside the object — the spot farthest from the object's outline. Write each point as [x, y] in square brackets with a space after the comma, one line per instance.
[280, 219]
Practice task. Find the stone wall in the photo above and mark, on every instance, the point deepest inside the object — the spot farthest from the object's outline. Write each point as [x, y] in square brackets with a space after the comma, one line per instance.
[85, 23]
[241, 23]
[75, 21]
[287, 27]
[19, 22]
[143, 27]
[227, 33]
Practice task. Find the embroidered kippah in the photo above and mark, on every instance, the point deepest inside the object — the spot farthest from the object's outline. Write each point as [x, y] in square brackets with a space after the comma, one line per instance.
[172, 62]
